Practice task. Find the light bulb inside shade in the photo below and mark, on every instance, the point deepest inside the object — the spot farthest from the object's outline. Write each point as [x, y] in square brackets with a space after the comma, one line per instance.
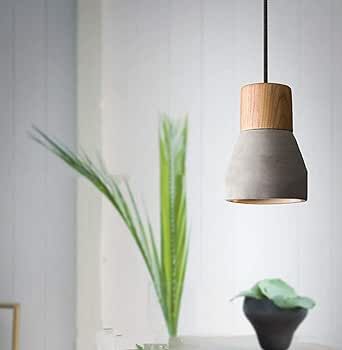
[266, 201]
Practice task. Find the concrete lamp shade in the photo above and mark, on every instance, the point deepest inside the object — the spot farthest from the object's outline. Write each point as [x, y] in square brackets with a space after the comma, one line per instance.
[266, 166]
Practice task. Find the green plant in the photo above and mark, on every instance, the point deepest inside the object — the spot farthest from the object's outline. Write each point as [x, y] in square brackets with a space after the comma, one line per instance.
[279, 292]
[167, 265]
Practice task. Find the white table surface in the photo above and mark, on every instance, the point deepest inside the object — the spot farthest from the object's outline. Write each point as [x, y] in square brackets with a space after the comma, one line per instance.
[233, 343]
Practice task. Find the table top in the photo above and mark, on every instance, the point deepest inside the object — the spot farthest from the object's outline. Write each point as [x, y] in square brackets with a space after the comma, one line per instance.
[232, 343]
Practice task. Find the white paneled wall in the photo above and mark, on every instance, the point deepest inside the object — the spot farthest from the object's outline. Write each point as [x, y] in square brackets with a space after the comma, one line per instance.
[192, 56]
[37, 204]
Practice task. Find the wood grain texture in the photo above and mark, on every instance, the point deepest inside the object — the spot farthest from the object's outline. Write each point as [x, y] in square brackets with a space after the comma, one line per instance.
[15, 322]
[266, 106]
[16, 327]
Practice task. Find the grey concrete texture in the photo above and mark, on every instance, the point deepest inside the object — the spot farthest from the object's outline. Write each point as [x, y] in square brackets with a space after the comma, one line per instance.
[266, 168]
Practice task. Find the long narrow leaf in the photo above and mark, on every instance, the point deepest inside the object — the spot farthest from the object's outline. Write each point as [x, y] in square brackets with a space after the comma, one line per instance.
[173, 139]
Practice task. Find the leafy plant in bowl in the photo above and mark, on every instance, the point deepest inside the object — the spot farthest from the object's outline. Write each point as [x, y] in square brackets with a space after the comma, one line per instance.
[275, 311]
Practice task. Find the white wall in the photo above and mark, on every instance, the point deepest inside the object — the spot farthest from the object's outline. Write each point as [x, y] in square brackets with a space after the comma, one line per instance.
[88, 201]
[192, 57]
[37, 203]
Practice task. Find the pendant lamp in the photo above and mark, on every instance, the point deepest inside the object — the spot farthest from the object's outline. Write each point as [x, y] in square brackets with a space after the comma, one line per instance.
[266, 166]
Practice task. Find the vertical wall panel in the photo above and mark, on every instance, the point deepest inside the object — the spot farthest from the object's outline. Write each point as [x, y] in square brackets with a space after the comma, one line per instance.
[30, 168]
[37, 65]
[219, 103]
[6, 151]
[88, 201]
[315, 134]
[186, 97]
[336, 139]
[139, 58]
[60, 282]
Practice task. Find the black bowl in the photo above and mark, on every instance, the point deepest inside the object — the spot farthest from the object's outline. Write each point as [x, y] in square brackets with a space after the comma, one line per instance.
[274, 326]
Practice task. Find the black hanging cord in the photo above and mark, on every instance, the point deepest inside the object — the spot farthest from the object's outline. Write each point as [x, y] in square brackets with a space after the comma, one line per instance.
[265, 43]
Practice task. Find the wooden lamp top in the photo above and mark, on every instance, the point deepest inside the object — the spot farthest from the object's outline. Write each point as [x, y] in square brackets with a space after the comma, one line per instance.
[266, 106]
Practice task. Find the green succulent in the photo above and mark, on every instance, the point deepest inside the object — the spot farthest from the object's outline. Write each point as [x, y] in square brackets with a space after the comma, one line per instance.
[280, 293]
